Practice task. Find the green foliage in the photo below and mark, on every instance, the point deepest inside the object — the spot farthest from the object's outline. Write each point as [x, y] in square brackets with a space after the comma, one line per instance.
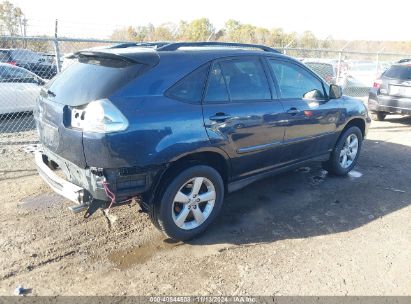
[197, 30]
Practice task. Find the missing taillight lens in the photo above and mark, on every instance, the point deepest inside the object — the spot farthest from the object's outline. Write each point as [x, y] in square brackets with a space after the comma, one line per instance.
[99, 116]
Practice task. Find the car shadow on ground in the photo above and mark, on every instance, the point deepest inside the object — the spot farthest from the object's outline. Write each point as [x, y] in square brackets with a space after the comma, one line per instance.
[406, 120]
[308, 203]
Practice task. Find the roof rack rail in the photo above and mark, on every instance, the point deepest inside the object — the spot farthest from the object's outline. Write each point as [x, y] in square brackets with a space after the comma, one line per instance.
[137, 44]
[175, 46]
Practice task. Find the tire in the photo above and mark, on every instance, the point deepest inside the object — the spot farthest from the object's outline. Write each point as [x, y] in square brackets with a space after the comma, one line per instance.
[378, 116]
[335, 165]
[167, 207]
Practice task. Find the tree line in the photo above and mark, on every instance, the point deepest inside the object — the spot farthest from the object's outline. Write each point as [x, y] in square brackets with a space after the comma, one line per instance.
[235, 31]
[14, 23]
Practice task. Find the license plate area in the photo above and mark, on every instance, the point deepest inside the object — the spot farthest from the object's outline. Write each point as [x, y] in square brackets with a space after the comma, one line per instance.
[397, 90]
[49, 135]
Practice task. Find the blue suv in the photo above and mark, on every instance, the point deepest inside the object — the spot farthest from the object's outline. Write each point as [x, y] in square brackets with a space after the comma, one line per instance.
[181, 124]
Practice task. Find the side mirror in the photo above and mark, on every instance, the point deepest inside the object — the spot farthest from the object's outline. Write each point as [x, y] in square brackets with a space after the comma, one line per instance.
[335, 92]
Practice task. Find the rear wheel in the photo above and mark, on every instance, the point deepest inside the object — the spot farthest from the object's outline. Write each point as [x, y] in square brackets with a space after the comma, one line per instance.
[189, 203]
[378, 116]
[346, 152]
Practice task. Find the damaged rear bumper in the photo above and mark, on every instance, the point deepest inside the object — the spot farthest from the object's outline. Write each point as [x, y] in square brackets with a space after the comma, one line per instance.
[81, 185]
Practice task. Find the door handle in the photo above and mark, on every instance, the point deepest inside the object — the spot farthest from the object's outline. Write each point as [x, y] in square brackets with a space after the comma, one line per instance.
[220, 117]
[293, 111]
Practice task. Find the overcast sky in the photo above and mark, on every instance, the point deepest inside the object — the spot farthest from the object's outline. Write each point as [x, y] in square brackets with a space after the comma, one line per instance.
[345, 19]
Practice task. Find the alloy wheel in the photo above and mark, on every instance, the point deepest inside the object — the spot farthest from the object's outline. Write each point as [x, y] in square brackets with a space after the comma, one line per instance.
[193, 203]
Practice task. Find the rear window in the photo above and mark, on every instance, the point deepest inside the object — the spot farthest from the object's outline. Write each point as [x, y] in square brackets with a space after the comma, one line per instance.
[25, 55]
[91, 79]
[402, 72]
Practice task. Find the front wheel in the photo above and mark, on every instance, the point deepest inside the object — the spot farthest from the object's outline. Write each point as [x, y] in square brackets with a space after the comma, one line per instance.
[346, 152]
[189, 203]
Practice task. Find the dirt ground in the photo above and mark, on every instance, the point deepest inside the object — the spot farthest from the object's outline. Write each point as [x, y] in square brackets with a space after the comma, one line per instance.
[300, 233]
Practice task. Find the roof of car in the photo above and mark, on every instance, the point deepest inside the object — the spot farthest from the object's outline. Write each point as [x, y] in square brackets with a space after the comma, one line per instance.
[147, 55]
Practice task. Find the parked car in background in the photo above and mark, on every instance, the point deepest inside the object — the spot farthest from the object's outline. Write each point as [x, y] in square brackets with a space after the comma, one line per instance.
[19, 89]
[362, 75]
[185, 123]
[29, 60]
[391, 93]
[324, 69]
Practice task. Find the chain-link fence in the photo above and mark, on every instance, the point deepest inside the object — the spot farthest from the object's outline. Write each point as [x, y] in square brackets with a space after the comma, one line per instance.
[27, 63]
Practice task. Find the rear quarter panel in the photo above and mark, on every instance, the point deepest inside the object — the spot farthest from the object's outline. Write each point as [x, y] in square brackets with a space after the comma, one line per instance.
[160, 130]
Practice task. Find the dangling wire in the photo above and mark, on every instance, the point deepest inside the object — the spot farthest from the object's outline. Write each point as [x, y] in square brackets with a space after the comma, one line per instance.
[110, 194]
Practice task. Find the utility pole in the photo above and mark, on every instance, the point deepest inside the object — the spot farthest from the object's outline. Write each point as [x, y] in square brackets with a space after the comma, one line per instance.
[56, 48]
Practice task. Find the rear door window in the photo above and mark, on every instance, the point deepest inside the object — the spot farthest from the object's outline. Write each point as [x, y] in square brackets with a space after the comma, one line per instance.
[237, 80]
[190, 88]
[216, 89]
[245, 80]
[402, 72]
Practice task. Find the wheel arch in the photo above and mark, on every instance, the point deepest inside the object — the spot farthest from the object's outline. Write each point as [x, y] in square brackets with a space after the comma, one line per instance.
[213, 157]
[357, 122]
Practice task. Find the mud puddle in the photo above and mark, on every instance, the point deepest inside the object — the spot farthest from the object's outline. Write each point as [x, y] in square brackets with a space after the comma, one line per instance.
[139, 255]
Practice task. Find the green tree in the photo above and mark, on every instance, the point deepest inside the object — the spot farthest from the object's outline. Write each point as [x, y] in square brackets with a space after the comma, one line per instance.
[197, 30]
[308, 40]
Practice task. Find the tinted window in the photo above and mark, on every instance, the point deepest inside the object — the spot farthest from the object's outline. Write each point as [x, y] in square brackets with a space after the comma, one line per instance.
[245, 80]
[4, 56]
[402, 72]
[15, 74]
[92, 79]
[191, 87]
[296, 82]
[216, 89]
[19, 73]
[4, 73]
[25, 55]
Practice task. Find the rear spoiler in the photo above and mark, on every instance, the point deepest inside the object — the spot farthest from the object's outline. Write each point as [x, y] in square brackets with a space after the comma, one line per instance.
[145, 56]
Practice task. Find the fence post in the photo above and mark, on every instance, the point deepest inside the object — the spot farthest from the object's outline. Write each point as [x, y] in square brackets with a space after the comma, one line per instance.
[339, 60]
[57, 49]
[378, 61]
[339, 66]
[287, 46]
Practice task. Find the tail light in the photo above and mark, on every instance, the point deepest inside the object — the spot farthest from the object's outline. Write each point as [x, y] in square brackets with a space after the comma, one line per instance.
[377, 84]
[99, 116]
[12, 62]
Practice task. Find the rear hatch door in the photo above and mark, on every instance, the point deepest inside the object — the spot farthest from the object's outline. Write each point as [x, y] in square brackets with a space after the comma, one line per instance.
[396, 87]
[95, 76]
